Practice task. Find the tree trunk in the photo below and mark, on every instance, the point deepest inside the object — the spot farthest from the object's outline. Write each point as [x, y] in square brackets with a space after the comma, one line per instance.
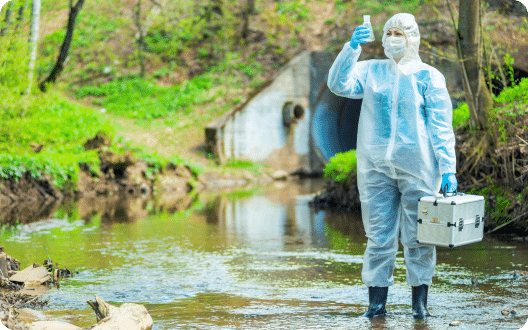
[59, 65]
[9, 10]
[33, 41]
[478, 96]
[21, 11]
[246, 14]
[141, 39]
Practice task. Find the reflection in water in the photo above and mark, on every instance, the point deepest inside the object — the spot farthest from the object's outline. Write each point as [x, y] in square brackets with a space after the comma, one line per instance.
[267, 261]
[25, 212]
[263, 224]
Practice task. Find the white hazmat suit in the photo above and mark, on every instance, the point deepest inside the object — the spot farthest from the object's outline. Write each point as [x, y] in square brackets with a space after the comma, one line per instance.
[405, 143]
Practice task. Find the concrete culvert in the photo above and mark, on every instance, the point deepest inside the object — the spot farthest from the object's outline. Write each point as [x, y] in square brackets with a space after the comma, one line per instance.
[291, 113]
[334, 124]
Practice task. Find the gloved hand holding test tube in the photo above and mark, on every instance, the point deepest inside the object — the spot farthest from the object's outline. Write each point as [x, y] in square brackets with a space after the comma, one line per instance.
[363, 33]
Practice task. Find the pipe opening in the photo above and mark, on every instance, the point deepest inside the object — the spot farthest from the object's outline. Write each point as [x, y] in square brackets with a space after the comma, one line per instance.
[298, 112]
[292, 113]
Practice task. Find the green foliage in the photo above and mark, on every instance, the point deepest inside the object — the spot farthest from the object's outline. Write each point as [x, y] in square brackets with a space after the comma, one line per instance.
[14, 59]
[60, 126]
[238, 163]
[460, 115]
[342, 6]
[62, 167]
[501, 202]
[285, 18]
[157, 162]
[295, 10]
[250, 69]
[141, 98]
[511, 101]
[514, 94]
[508, 61]
[340, 165]
[187, 32]
[46, 118]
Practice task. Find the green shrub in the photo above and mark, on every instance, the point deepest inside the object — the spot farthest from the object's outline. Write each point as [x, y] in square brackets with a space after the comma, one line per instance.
[62, 167]
[513, 94]
[340, 165]
[460, 115]
[513, 97]
[294, 9]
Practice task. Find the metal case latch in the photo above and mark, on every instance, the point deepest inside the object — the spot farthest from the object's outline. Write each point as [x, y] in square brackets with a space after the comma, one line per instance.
[477, 221]
[460, 224]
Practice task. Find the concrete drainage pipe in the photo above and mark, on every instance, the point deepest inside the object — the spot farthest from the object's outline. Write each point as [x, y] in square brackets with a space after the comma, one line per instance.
[334, 124]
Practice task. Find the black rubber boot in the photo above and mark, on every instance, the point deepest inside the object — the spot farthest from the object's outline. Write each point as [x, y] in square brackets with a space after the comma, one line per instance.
[419, 301]
[377, 301]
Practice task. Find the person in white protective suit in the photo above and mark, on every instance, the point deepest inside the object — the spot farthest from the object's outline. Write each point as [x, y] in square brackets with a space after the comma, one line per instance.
[405, 151]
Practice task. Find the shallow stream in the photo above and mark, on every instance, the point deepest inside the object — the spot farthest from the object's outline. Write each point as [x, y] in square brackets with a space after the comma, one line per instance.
[260, 261]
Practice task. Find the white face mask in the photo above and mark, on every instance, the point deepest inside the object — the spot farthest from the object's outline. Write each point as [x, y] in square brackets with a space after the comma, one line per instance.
[395, 46]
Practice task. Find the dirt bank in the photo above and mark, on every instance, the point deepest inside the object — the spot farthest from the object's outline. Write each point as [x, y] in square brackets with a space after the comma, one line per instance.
[124, 185]
[28, 198]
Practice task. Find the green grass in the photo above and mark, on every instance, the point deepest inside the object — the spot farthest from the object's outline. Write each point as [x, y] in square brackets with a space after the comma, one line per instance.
[141, 98]
[158, 162]
[238, 164]
[63, 127]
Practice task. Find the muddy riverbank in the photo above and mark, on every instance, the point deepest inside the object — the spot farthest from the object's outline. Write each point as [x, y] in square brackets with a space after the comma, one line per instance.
[125, 184]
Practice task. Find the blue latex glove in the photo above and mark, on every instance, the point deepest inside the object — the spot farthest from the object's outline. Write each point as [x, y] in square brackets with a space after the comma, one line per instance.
[360, 33]
[450, 180]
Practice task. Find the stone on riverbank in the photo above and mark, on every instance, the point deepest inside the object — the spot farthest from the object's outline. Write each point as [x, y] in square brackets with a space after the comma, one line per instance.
[279, 175]
[126, 317]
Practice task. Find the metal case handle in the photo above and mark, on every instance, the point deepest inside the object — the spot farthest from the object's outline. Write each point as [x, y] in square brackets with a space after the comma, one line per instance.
[444, 191]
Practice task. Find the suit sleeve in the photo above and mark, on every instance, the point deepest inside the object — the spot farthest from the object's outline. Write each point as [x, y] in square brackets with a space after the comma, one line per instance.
[347, 76]
[439, 116]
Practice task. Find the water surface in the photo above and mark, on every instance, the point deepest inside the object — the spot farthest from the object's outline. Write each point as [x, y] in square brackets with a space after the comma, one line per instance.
[263, 261]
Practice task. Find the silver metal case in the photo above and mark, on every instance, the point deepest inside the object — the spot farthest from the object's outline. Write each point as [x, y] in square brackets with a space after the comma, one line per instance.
[450, 221]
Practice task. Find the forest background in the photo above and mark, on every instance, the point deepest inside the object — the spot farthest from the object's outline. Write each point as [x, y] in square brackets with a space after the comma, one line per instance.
[146, 76]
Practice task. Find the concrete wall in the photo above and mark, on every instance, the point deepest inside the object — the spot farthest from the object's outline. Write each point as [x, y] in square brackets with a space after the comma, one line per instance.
[273, 126]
